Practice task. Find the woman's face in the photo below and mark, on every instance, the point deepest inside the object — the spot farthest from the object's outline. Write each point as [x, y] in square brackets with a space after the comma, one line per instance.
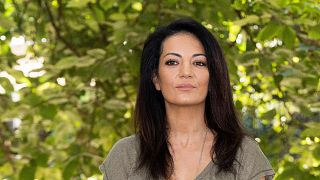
[183, 76]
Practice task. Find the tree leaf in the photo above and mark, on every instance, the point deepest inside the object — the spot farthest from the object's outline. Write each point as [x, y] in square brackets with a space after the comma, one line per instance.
[32, 99]
[117, 17]
[248, 58]
[107, 4]
[288, 36]
[42, 159]
[85, 61]
[250, 19]
[311, 132]
[314, 32]
[265, 65]
[316, 153]
[48, 111]
[269, 114]
[92, 24]
[78, 3]
[28, 171]
[97, 53]
[6, 84]
[278, 78]
[69, 169]
[268, 32]
[115, 104]
[99, 14]
[313, 125]
[66, 62]
[6, 22]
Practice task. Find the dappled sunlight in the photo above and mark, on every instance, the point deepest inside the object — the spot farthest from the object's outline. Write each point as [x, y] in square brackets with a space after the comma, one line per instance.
[28, 64]
[61, 81]
[18, 46]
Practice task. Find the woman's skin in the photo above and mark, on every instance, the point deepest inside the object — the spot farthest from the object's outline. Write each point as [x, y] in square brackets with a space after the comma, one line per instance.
[183, 79]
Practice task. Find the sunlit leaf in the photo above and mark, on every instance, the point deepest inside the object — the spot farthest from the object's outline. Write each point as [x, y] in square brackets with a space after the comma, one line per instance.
[115, 104]
[85, 62]
[314, 32]
[67, 62]
[311, 132]
[6, 22]
[78, 3]
[99, 14]
[269, 31]
[316, 153]
[247, 20]
[6, 84]
[269, 114]
[97, 53]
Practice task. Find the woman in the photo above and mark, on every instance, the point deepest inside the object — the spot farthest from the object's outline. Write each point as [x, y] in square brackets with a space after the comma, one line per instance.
[186, 120]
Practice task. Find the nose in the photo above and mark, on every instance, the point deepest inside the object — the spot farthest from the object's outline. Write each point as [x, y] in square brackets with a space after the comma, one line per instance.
[185, 70]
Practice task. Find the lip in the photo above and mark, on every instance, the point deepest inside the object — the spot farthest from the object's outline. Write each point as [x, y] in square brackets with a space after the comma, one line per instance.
[185, 87]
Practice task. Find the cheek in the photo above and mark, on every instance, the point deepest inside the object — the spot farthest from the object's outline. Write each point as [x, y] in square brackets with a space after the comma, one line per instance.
[165, 83]
[204, 79]
[165, 78]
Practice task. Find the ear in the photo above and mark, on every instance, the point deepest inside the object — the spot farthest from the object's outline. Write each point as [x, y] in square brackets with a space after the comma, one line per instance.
[155, 81]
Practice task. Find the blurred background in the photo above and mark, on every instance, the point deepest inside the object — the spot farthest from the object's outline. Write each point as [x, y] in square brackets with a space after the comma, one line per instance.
[69, 76]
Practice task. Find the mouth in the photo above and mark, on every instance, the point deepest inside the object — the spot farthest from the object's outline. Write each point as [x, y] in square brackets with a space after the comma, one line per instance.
[185, 87]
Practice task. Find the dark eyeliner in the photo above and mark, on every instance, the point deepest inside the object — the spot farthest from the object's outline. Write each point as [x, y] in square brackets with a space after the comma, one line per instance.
[201, 63]
[171, 62]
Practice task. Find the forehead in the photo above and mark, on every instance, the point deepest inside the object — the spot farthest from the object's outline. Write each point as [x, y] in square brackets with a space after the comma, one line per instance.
[182, 41]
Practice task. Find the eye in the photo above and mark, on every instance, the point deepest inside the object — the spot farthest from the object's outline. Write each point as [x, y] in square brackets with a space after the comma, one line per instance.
[171, 62]
[200, 63]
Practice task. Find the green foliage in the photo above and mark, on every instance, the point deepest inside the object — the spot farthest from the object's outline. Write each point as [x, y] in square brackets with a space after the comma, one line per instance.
[80, 99]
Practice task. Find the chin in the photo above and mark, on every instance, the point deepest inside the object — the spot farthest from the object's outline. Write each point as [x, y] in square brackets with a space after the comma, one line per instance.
[186, 102]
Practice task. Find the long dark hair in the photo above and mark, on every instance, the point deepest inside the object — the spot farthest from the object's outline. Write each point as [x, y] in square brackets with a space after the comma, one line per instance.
[150, 114]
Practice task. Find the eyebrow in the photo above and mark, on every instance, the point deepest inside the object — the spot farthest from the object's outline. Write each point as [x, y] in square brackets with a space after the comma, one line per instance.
[178, 55]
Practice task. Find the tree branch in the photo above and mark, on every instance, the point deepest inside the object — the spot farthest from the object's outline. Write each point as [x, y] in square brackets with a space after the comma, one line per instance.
[102, 28]
[57, 31]
[60, 10]
[306, 40]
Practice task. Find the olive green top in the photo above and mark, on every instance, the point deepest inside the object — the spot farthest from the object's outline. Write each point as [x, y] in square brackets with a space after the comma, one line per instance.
[122, 160]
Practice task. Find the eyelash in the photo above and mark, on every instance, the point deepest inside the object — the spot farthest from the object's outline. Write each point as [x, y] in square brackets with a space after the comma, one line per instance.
[200, 62]
[173, 62]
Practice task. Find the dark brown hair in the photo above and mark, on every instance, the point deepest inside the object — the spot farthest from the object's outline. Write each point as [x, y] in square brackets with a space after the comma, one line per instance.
[150, 113]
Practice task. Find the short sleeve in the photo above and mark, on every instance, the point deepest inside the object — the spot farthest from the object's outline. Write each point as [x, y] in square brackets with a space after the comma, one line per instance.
[117, 164]
[253, 163]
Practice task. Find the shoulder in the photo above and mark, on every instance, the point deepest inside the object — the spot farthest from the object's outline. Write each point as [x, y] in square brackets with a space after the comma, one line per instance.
[124, 143]
[121, 158]
[124, 148]
[249, 144]
[253, 163]
[249, 149]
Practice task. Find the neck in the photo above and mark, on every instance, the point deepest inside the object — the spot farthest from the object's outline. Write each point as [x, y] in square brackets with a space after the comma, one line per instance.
[185, 120]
